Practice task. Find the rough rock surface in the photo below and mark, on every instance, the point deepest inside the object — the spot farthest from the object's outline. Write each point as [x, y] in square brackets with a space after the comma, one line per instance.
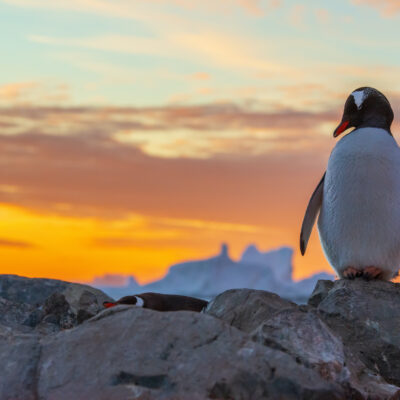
[248, 344]
[153, 358]
[20, 354]
[246, 309]
[36, 290]
[366, 316]
[46, 305]
[302, 333]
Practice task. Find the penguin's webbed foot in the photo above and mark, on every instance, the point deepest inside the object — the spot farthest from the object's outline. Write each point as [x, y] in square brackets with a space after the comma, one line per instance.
[351, 273]
[370, 273]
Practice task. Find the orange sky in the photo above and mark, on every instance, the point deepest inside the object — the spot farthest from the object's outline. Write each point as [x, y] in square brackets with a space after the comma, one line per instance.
[75, 248]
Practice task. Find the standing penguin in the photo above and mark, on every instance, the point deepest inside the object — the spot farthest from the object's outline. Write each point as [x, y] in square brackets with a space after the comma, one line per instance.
[359, 195]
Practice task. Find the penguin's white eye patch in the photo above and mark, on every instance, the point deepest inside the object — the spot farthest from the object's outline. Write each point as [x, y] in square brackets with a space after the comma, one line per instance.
[359, 97]
[139, 302]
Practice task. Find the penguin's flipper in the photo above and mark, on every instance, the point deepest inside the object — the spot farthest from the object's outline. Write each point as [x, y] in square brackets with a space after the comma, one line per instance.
[311, 215]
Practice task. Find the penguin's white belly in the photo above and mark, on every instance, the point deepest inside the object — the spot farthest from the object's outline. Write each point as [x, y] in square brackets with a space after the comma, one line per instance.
[359, 222]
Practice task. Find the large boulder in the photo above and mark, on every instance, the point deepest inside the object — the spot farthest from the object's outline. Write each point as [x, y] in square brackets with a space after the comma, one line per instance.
[138, 353]
[246, 309]
[366, 316]
[20, 354]
[35, 291]
[300, 332]
[16, 315]
[46, 305]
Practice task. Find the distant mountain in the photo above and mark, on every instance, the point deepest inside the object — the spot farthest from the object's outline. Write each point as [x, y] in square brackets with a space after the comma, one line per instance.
[271, 271]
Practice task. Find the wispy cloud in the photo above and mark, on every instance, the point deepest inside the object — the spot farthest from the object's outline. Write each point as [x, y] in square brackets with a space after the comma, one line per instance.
[109, 280]
[388, 8]
[71, 161]
[16, 91]
[219, 49]
[173, 131]
[127, 9]
[17, 244]
[28, 93]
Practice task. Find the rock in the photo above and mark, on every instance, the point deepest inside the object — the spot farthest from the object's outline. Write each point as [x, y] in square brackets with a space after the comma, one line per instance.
[16, 315]
[366, 316]
[246, 309]
[46, 305]
[248, 344]
[58, 311]
[320, 291]
[83, 315]
[139, 353]
[19, 361]
[35, 291]
[301, 333]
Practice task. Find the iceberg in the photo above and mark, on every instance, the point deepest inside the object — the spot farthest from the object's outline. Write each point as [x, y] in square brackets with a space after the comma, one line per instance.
[270, 271]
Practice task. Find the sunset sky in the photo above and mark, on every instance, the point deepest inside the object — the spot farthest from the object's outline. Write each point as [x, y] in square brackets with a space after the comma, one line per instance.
[136, 134]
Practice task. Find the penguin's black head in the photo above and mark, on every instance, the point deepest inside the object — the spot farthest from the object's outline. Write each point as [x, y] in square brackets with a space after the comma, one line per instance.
[366, 107]
[131, 300]
[128, 300]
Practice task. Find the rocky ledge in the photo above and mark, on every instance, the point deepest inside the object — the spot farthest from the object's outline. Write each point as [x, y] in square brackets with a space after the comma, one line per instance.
[56, 342]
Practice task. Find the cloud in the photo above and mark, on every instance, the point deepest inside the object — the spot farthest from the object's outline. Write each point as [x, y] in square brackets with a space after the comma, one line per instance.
[110, 280]
[128, 9]
[200, 76]
[220, 49]
[13, 91]
[197, 131]
[176, 35]
[17, 244]
[71, 161]
[26, 93]
[388, 8]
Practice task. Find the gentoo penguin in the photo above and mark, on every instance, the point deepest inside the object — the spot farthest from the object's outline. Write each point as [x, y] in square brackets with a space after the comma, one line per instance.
[161, 302]
[359, 195]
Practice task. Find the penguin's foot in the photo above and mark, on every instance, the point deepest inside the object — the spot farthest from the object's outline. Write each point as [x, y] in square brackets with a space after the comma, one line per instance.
[372, 273]
[351, 273]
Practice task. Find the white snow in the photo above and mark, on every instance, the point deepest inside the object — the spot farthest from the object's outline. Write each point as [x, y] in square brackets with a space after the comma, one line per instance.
[271, 271]
[358, 97]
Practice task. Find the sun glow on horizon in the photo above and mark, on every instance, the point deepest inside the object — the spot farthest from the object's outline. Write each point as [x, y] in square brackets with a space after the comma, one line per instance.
[82, 248]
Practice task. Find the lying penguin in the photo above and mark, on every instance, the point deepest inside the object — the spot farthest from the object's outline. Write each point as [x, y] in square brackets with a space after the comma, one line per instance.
[358, 198]
[161, 302]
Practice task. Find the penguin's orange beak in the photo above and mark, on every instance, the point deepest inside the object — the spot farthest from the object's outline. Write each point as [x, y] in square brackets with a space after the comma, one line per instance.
[341, 128]
[108, 304]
